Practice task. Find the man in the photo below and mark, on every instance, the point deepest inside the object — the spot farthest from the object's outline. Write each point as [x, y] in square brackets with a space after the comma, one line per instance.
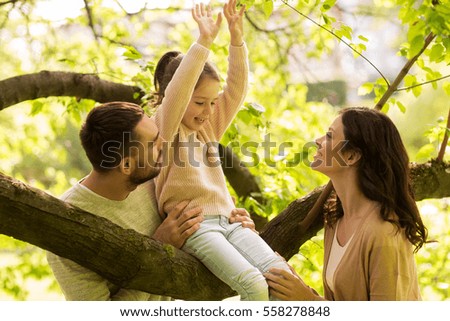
[125, 150]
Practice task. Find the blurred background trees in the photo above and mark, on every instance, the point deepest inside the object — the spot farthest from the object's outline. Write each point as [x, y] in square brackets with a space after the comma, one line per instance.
[301, 75]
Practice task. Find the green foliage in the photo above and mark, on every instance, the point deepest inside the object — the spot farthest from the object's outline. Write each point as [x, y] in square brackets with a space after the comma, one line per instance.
[433, 260]
[22, 264]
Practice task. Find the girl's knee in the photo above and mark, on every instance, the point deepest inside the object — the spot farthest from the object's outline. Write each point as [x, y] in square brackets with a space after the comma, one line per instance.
[253, 286]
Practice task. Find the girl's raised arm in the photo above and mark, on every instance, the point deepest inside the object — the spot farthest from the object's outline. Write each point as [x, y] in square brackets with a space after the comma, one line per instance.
[181, 86]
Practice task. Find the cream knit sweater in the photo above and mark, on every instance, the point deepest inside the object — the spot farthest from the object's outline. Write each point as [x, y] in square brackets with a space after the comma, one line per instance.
[191, 169]
[137, 212]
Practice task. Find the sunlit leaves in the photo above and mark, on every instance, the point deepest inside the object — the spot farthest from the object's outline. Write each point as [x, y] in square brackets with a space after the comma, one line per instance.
[365, 89]
[436, 53]
[267, 7]
[400, 106]
[344, 31]
[327, 5]
[446, 87]
[36, 107]
[411, 81]
[131, 53]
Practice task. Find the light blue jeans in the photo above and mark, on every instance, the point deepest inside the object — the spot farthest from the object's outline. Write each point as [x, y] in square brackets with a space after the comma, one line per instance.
[236, 255]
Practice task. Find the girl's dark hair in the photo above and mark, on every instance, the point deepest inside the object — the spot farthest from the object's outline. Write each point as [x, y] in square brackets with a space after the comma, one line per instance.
[383, 170]
[165, 69]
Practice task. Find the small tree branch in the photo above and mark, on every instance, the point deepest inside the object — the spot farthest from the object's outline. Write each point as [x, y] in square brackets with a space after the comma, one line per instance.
[8, 2]
[340, 39]
[90, 19]
[393, 87]
[423, 83]
[441, 154]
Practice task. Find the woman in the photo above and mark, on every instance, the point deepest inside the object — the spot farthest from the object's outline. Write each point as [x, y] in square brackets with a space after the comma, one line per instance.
[375, 228]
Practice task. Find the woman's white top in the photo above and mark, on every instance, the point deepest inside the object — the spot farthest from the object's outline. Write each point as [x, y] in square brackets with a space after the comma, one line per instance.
[336, 254]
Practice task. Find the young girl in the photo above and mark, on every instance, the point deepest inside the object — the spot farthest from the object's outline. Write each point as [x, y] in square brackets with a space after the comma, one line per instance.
[192, 117]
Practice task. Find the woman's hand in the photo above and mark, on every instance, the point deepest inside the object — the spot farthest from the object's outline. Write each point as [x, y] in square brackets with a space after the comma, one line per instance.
[207, 26]
[289, 286]
[235, 22]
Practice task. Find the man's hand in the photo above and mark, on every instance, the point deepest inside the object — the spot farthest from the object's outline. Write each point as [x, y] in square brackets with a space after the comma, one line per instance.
[241, 215]
[179, 225]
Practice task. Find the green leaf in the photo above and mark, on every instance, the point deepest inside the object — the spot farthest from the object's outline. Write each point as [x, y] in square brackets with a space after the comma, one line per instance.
[446, 87]
[401, 106]
[425, 152]
[365, 89]
[255, 108]
[36, 107]
[415, 46]
[327, 5]
[267, 8]
[410, 80]
[436, 53]
[131, 53]
[346, 32]
[363, 38]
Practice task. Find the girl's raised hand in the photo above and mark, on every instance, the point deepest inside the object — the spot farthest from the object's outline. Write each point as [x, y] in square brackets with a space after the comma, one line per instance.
[207, 26]
[235, 22]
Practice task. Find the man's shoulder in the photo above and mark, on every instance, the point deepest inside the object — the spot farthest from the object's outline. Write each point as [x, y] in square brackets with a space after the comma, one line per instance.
[71, 193]
[80, 196]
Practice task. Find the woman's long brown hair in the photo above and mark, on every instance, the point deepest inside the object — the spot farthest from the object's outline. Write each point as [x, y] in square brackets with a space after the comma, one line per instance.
[383, 170]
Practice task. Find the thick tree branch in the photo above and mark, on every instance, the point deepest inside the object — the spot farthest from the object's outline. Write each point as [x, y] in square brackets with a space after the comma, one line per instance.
[56, 83]
[125, 257]
[283, 233]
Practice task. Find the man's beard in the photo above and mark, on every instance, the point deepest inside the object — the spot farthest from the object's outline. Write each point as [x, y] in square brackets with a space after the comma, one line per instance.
[142, 174]
[138, 179]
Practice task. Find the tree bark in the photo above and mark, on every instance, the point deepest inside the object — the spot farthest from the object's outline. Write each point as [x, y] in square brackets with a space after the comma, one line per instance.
[35, 217]
[57, 83]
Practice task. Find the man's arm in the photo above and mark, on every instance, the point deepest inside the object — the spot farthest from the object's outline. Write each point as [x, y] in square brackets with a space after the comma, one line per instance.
[77, 282]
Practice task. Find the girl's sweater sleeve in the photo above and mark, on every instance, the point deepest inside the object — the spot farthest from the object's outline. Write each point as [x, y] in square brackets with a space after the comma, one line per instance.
[178, 93]
[234, 91]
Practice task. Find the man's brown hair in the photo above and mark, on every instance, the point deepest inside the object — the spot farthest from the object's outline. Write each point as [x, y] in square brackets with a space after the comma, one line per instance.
[108, 133]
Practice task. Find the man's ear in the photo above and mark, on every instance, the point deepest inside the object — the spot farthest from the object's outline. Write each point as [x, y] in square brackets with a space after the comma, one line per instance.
[352, 157]
[126, 165]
